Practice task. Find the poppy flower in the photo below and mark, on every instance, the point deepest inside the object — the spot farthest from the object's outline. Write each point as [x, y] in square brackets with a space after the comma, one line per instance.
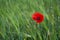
[38, 17]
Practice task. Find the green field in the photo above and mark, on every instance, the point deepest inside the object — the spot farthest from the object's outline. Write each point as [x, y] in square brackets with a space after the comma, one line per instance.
[16, 20]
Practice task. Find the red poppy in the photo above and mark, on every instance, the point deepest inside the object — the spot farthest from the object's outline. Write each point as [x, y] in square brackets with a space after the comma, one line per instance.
[38, 17]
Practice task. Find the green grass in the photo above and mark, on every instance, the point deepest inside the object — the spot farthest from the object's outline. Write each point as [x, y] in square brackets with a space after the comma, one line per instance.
[16, 20]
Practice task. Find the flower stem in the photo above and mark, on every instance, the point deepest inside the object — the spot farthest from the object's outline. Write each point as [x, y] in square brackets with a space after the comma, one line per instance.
[38, 32]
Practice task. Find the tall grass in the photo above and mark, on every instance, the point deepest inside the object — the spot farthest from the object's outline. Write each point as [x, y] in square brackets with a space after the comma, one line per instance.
[16, 22]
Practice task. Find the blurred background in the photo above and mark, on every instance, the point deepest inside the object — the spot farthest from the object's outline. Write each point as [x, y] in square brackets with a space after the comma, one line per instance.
[16, 20]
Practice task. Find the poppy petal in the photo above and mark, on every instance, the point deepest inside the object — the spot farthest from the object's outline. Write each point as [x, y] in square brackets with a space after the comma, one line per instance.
[38, 17]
